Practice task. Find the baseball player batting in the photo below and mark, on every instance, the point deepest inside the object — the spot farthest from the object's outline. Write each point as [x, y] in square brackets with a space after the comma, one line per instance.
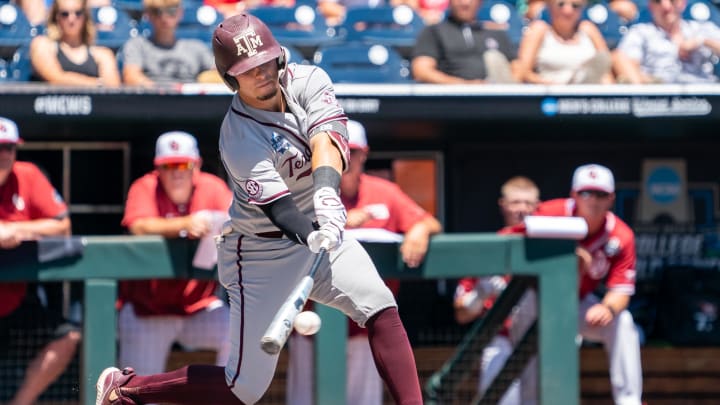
[284, 145]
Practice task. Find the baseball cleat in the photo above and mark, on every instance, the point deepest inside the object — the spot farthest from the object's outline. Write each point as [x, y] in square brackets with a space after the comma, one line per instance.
[108, 386]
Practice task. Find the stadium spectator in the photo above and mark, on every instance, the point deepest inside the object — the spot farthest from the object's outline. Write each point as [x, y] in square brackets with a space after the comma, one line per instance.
[66, 55]
[459, 50]
[229, 8]
[174, 200]
[669, 49]
[519, 197]
[431, 11]
[626, 9]
[30, 209]
[566, 50]
[533, 9]
[34, 10]
[334, 10]
[371, 203]
[163, 58]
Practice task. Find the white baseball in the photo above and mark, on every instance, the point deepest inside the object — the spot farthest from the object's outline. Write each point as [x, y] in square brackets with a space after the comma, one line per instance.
[307, 323]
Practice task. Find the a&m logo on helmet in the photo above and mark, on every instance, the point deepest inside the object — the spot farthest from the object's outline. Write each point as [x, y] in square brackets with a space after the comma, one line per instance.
[247, 42]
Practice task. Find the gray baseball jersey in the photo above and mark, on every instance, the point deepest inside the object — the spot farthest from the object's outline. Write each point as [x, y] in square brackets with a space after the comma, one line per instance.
[267, 156]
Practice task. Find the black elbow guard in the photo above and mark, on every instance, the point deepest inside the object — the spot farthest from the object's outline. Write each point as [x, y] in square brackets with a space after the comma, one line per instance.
[284, 214]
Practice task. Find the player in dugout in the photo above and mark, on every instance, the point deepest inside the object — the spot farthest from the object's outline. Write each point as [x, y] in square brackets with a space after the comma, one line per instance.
[606, 253]
[30, 209]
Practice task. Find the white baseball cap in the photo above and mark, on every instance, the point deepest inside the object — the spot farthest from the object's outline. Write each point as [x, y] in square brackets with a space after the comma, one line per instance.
[9, 132]
[176, 147]
[356, 135]
[593, 177]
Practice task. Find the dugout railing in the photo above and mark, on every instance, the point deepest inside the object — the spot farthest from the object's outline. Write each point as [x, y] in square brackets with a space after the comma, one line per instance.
[106, 259]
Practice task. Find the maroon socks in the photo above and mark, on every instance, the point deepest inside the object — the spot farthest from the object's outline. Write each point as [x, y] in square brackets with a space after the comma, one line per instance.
[198, 384]
[394, 357]
[188, 385]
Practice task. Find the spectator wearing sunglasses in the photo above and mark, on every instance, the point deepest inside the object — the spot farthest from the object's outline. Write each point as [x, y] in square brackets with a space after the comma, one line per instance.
[176, 200]
[30, 209]
[163, 58]
[67, 54]
[668, 49]
[564, 50]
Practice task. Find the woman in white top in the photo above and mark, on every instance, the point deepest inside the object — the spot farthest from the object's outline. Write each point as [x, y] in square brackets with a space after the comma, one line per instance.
[568, 50]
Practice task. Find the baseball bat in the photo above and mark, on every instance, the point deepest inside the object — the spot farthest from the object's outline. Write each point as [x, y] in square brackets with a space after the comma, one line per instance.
[277, 333]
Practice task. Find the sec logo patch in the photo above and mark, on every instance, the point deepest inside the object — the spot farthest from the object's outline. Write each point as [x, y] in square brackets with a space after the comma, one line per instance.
[253, 188]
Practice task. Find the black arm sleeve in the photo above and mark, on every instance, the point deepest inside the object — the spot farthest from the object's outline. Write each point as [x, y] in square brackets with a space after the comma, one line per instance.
[285, 215]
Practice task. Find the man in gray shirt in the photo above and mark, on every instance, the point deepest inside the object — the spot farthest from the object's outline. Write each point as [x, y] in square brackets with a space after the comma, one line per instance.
[163, 58]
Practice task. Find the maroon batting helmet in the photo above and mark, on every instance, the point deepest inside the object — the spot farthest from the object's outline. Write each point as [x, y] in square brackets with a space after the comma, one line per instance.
[243, 42]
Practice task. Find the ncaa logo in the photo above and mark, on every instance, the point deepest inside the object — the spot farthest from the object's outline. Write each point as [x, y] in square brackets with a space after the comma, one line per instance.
[253, 188]
[247, 42]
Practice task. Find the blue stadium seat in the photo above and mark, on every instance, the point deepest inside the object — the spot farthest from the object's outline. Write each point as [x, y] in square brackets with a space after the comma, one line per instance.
[113, 25]
[358, 62]
[15, 29]
[299, 26]
[396, 27]
[132, 7]
[198, 22]
[3, 70]
[701, 11]
[20, 68]
[609, 23]
[502, 14]
[294, 55]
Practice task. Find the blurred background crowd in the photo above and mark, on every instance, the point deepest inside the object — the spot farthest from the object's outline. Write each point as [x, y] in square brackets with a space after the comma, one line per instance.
[145, 43]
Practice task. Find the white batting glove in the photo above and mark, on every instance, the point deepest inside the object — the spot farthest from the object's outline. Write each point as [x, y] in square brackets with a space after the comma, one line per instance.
[327, 237]
[329, 209]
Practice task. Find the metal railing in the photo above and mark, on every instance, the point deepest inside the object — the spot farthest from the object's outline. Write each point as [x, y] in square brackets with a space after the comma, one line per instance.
[107, 259]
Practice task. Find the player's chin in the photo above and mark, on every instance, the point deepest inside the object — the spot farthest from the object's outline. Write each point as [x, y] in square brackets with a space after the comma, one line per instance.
[267, 93]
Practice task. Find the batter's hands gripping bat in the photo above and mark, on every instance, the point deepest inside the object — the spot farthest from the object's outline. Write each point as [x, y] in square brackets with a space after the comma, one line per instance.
[282, 324]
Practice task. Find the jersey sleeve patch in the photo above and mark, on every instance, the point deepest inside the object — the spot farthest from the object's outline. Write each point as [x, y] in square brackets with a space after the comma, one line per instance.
[253, 188]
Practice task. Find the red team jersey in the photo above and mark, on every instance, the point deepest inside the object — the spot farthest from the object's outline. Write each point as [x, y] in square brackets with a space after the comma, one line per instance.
[612, 249]
[402, 213]
[26, 195]
[147, 199]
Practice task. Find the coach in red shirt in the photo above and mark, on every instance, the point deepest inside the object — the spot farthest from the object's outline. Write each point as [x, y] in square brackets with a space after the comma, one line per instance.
[30, 209]
[174, 200]
[607, 254]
